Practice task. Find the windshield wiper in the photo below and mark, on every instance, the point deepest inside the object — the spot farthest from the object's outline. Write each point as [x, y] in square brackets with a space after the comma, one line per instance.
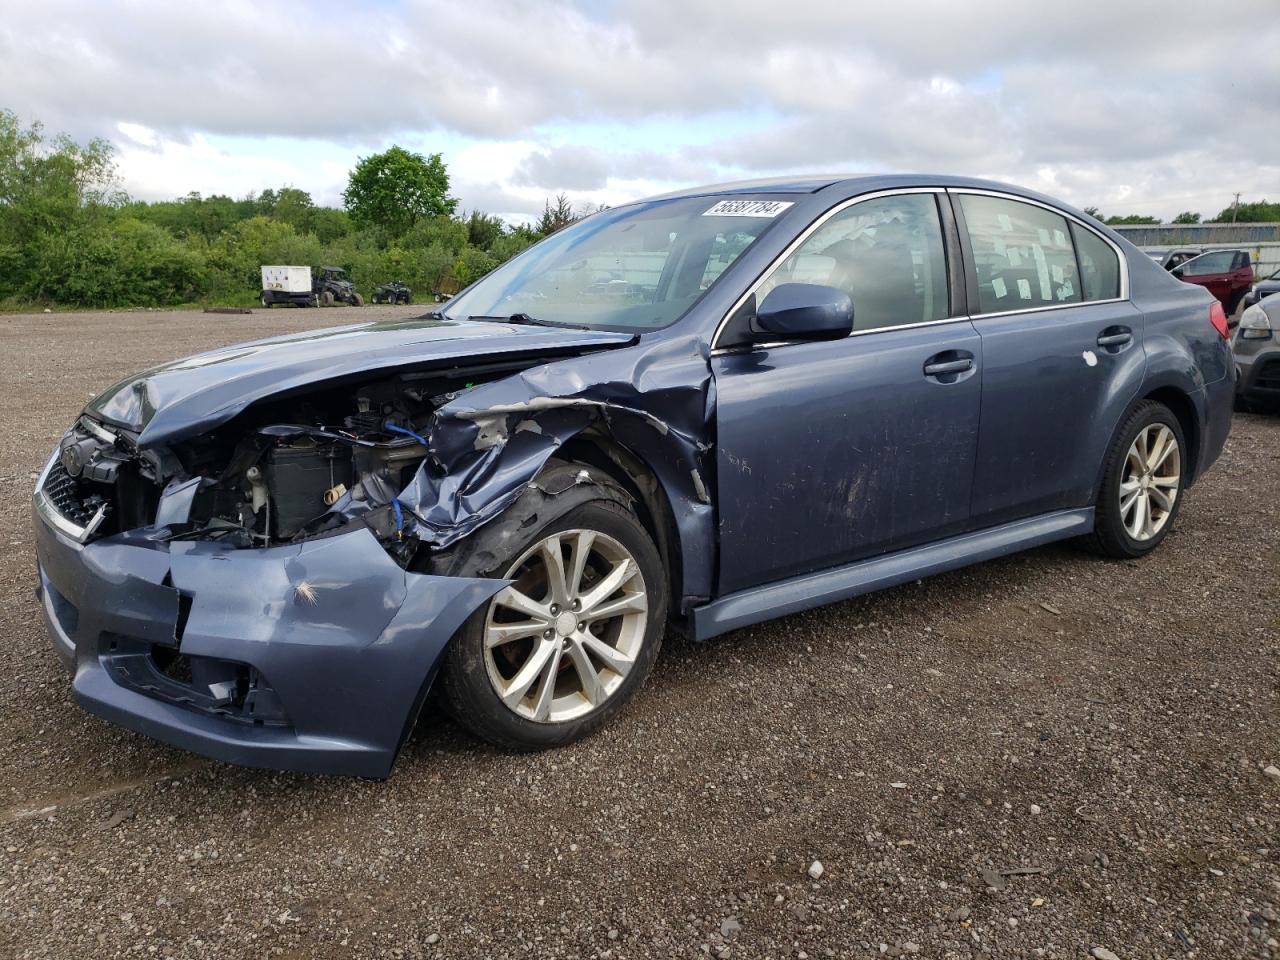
[519, 318]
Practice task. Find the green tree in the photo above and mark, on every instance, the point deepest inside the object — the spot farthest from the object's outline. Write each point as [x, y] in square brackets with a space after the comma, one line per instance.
[472, 264]
[511, 243]
[483, 229]
[395, 189]
[1187, 217]
[54, 194]
[1095, 213]
[445, 232]
[1259, 211]
[1132, 218]
[294, 207]
[554, 217]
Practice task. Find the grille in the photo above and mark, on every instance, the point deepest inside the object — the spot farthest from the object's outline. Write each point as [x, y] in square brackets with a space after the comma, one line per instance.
[71, 498]
[1268, 377]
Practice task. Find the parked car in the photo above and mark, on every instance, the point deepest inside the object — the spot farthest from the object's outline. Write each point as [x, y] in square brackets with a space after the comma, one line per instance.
[271, 553]
[304, 287]
[1256, 347]
[1172, 257]
[1263, 289]
[393, 292]
[1227, 274]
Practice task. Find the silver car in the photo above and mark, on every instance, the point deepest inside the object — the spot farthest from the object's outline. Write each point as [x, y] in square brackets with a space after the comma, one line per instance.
[1256, 345]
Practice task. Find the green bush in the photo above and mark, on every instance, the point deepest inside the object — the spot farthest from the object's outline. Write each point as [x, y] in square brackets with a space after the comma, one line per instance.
[68, 235]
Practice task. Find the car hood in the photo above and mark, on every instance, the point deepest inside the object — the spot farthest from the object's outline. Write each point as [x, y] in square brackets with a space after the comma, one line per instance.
[196, 394]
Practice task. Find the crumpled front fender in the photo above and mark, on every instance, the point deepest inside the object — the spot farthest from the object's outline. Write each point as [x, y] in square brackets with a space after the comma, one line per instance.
[491, 441]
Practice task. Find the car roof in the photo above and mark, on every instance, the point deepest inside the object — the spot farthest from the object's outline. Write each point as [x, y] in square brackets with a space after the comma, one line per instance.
[850, 183]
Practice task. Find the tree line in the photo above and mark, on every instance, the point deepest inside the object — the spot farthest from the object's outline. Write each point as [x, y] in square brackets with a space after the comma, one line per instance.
[70, 236]
[1259, 211]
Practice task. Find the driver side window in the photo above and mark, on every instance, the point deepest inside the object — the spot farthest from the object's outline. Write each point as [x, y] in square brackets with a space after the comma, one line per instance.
[887, 254]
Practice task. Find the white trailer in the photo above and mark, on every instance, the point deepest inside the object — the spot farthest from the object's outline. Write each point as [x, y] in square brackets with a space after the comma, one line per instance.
[281, 284]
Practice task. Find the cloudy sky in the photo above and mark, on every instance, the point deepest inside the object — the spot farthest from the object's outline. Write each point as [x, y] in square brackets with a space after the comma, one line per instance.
[1127, 105]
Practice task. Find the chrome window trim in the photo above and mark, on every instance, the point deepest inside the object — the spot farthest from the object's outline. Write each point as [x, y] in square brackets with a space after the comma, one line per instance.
[800, 239]
[1015, 198]
[717, 350]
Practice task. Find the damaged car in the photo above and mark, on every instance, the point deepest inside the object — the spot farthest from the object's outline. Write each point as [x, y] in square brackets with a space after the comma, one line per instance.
[697, 412]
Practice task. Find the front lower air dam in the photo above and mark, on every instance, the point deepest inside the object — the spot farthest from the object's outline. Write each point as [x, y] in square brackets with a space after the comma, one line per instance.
[311, 657]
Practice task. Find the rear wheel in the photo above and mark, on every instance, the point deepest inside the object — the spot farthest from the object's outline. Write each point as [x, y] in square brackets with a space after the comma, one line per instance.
[265, 302]
[555, 655]
[326, 299]
[1142, 483]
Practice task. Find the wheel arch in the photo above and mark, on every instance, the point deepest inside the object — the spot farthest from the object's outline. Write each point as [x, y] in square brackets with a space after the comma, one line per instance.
[603, 451]
[1181, 406]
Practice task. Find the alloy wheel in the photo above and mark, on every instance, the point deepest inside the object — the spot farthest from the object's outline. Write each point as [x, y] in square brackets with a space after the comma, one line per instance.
[561, 639]
[1150, 481]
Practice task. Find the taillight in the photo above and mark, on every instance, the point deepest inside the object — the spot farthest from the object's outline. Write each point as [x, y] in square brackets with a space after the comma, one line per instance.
[1218, 317]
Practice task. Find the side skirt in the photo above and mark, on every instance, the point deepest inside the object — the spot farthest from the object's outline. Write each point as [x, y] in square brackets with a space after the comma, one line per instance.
[746, 607]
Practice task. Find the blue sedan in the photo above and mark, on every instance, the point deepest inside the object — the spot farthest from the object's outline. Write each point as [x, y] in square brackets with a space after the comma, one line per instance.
[702, 410]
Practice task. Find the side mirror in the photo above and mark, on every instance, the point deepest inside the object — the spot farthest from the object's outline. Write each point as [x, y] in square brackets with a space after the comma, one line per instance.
[804, 311]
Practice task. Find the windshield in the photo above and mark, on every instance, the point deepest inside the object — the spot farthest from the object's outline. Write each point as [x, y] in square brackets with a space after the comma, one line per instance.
[639, 267]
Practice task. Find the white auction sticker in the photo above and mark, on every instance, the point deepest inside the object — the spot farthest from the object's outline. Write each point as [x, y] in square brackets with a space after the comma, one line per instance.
[748, 208]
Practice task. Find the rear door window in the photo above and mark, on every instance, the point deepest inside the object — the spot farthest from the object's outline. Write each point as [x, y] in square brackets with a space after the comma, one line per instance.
[1023, 255]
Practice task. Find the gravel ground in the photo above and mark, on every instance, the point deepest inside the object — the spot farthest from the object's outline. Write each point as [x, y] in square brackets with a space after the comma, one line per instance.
[1038, 756]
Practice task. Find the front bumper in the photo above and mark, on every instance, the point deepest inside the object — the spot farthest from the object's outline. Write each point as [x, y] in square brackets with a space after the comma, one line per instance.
[332, 643]
[1258, 367]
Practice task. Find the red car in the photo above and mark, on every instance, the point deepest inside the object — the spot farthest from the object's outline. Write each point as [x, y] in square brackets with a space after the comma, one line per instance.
[1227, 274]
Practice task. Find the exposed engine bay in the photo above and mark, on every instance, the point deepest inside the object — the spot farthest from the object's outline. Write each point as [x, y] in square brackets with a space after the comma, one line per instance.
[286, 470]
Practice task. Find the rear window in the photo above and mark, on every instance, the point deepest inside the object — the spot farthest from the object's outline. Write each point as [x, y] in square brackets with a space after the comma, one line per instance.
[1099, 265]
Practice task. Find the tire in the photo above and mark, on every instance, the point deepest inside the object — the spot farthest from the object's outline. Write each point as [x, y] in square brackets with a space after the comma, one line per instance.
[404, 299]
[557, 705]
[326, 298]
[357, 300]
[265, 302]
[1117, 522]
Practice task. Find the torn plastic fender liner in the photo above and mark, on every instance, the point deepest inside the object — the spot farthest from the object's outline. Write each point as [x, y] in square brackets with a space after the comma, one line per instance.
[489, 443]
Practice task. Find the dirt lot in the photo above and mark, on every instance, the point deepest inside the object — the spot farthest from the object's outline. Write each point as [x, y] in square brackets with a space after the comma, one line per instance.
[1033, 757]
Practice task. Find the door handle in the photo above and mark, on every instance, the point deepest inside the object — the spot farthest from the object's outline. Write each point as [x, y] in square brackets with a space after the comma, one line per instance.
[948, 366]
[1118, 339]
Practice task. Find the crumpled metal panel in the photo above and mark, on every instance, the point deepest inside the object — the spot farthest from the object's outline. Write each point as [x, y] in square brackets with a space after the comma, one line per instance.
[193, 395]
[656, 399]
[347, 639]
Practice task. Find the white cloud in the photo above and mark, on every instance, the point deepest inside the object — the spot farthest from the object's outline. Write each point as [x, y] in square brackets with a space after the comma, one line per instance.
[1101, 102]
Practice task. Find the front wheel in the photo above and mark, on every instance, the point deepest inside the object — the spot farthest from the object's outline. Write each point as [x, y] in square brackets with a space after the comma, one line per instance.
[555, 655]
[265, 302]
[357, 300]
[1142, 483]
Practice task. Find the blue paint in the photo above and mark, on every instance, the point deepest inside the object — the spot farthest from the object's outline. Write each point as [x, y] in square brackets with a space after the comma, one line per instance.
[793, 472]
